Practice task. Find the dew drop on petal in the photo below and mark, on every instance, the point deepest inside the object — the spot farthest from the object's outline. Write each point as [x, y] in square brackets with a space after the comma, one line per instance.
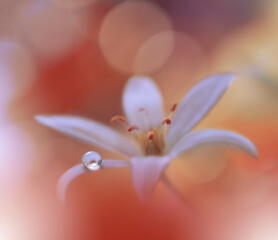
[92, 161]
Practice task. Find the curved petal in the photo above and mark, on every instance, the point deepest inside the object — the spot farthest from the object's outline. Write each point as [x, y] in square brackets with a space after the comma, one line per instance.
[67, 178]
[142, 93]
[78, 170]
[115, 163]
[213, 136]
[91, 132]
[146, 172]
[196, 104]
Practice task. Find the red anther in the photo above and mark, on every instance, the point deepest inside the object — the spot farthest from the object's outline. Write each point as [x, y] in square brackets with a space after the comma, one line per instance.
[167, 121]
[150, 135]
[141, 109]
[132, 128]
[173, 108]
[118, 118]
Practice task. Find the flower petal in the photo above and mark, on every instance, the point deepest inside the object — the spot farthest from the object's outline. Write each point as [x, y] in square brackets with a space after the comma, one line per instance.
[91, 132]
[196, 104]
[146, 172]
[142, 93]
[213, 136]
[115, 163]
[79, 169]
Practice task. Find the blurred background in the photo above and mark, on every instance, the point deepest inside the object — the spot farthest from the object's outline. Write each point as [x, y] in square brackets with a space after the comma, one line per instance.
[75, 56]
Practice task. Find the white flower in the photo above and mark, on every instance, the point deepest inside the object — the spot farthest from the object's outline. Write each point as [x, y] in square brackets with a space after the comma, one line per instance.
[152, 141]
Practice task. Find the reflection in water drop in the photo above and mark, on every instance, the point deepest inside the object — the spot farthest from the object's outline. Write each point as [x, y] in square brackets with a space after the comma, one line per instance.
[92, 161]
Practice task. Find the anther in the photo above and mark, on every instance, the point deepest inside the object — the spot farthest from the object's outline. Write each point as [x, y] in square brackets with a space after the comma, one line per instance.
[150, 135]
[167, 121]
[173, 108]
[118, 119]
[141, 109]
[145, 116]
[132, 128]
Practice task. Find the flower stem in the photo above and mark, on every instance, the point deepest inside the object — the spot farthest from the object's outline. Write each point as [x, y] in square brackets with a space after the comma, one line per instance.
[173, 190]
[198, 226]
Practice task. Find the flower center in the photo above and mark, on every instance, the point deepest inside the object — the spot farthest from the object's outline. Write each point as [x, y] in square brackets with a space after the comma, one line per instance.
[151, 142]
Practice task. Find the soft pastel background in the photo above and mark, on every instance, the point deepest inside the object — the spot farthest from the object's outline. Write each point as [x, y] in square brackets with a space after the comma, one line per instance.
[75, 56]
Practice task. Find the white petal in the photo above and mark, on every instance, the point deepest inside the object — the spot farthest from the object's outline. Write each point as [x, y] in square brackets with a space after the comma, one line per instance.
[196, 104]
[141, 92]
[79, 169]
[213, 137]
[67, 178]
[91, 132]
[115, 163]
[146, 172]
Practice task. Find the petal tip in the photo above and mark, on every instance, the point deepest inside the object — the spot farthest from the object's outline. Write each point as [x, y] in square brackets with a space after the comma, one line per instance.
[230, 77]
[42, 119]
[254, 152]
[38, 118]
[139, 78]
[145, 172]
[251, 148]
[144, 197]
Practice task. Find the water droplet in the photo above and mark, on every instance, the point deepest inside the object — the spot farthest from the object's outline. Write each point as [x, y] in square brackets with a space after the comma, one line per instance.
[92, 161]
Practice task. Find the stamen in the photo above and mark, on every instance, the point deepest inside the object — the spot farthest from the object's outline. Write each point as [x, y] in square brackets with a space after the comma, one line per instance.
[145, 116]
[118, 119]
[167, 121]
[132, 128]
[173, 108]
[151, 144]
[150, 135]
[141, 109]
